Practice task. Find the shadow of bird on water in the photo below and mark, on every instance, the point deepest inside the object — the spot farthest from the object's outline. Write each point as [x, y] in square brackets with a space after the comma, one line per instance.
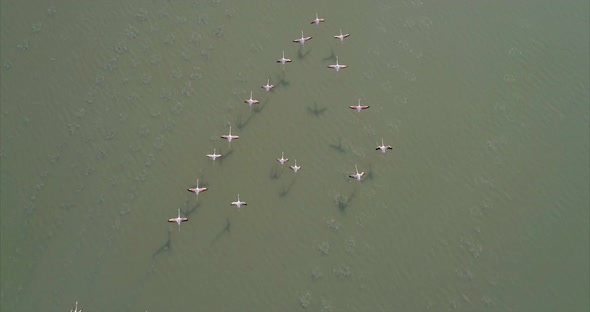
[331, 57]
[285, 189]
[300, 54]
[226, 229]
[316, 110]
[275, 173]
[164, 247]
[260, 106]
[241, 124]
[342, 202]
[369, 173]
[192, 209]
[225, 156]
[282, 81]
[338, 147]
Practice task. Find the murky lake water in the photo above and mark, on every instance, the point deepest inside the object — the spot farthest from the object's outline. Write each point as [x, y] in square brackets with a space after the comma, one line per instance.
[108, 110]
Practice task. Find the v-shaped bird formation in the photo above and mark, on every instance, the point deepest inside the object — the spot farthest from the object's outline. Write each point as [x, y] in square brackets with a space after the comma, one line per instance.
[268, 87]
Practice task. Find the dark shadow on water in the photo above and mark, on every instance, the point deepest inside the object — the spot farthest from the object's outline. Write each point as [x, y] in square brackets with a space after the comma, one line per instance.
[369, 173]
[192, 209]
[343, 202]
[226, 229]
[285, 189]
[316, 110]
[225, 156]
[164, 247]
[240, 123]
[282, 81]
[260, 106]
[300, 54]
[338, 147]
[275, 173]
[331, 57]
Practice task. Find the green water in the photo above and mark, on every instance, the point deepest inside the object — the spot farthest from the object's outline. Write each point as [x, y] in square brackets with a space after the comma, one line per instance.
[108, 110]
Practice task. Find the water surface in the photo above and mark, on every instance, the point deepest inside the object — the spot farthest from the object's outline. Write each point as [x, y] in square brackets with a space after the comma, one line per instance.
[108, 110]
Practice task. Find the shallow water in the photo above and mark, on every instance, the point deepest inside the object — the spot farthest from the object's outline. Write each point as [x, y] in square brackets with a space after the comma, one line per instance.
[107, 112]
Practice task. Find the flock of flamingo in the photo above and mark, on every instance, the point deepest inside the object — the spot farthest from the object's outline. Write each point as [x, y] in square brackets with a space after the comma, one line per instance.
[251, 101]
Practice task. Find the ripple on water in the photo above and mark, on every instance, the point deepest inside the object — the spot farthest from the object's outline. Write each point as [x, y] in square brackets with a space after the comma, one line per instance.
[324, 248]
[316, 274]
[305, 300]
